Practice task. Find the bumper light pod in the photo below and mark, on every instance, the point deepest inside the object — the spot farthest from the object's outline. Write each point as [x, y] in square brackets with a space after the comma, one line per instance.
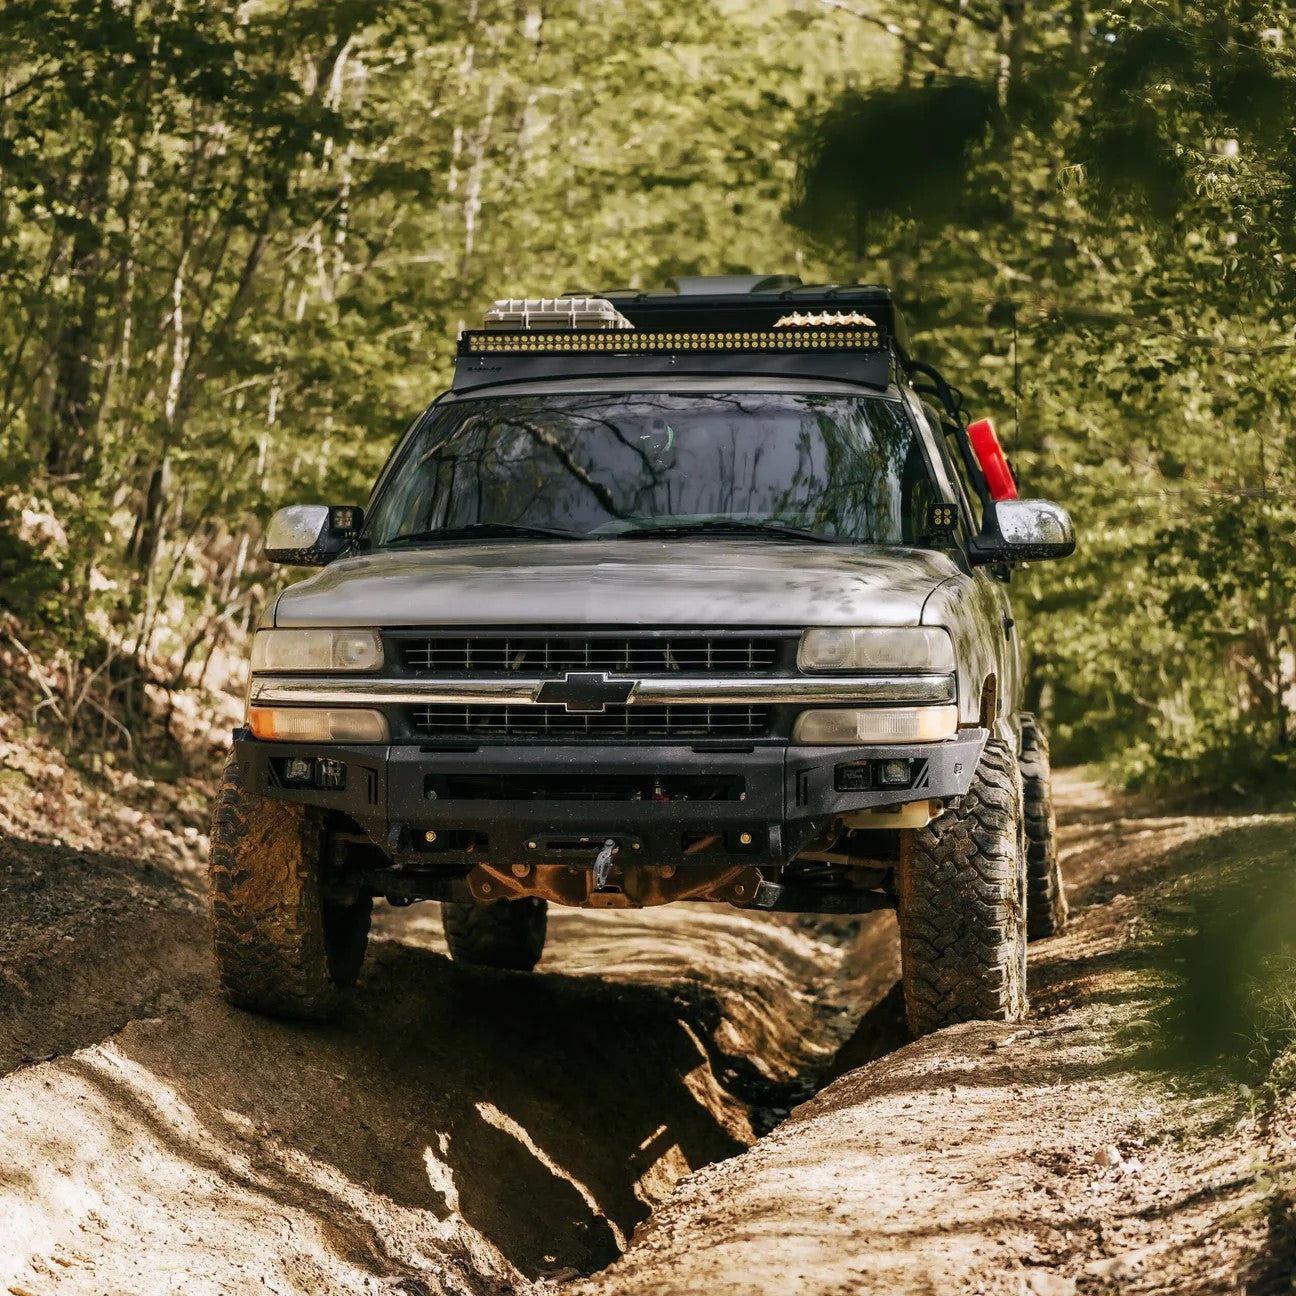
[318, 724]
[839, 728]
[845, 648]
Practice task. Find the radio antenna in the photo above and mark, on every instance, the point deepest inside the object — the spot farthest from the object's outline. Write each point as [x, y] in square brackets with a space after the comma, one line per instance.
[1016, 379]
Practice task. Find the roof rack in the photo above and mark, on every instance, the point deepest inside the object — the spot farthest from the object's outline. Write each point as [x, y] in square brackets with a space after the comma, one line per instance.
[754, 325]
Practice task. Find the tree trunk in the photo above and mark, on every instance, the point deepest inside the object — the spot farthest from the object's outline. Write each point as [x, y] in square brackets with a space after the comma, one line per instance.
[72, 416]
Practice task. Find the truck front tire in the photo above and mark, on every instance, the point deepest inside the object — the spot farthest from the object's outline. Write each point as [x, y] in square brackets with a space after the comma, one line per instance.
[1046, 906]
[962, 893]
[504, 934]
[281, 948]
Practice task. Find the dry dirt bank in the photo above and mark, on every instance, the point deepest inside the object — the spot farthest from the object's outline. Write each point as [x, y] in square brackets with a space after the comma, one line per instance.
[1049, 1158]
[461, 1131]
[476, 1132]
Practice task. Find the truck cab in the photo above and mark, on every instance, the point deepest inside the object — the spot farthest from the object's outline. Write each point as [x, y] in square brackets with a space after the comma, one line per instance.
[691, 596]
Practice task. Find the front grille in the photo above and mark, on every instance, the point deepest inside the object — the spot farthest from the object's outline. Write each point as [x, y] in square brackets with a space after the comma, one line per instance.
[555, 655]
[671, 721]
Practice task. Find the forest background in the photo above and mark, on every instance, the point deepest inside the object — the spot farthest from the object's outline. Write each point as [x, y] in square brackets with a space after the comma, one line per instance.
[237, 241]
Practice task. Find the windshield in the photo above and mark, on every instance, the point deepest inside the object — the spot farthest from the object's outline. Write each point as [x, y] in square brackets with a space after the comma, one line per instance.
[597, 465]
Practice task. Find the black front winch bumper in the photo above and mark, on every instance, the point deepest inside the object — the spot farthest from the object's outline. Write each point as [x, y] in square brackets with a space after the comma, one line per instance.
[557, 803]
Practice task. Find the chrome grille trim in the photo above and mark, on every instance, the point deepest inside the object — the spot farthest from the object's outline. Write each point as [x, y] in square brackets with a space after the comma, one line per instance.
[918, 690]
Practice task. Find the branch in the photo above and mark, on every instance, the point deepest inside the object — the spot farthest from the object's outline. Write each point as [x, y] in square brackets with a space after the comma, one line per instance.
[873, 20]
[38, 678]
[959, 9]
[952, 7]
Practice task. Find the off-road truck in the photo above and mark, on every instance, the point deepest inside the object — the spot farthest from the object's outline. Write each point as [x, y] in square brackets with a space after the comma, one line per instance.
[696, 595]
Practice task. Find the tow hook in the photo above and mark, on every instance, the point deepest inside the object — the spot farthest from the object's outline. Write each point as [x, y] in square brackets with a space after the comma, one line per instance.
[603, 864]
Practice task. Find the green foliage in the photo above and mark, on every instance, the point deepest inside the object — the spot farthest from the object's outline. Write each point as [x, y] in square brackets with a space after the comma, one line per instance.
[30, 578]
[237, 241]
[860, 165]
[1227, 953]
[1108, 258]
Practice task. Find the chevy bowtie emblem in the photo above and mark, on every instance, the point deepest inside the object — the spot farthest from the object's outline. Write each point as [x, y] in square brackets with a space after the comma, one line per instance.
[588, 693]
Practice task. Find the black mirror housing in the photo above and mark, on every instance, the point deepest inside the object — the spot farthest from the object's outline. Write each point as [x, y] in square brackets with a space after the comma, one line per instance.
[312, 535]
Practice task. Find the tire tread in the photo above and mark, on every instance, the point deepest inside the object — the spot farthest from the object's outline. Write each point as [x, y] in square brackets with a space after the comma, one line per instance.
[507, 934]
[276, 950]
[1046, 903]
[962, 925]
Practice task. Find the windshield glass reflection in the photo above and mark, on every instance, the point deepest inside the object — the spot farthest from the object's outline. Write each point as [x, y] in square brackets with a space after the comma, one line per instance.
[597, 465]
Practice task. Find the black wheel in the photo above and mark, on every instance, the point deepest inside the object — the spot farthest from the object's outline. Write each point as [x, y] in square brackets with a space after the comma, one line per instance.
[503, 934]
[1046, 906]
[281, 949]
[962, 891]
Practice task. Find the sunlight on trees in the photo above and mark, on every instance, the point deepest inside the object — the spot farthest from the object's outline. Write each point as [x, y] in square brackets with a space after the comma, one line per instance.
[237, 241]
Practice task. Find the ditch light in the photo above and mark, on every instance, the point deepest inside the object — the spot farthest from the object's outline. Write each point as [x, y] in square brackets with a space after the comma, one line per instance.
[306, 771]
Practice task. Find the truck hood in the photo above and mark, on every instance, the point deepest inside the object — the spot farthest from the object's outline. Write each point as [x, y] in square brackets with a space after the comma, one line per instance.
[620, 583]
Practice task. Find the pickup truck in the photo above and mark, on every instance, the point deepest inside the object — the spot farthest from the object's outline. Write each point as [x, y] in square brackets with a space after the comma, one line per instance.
[687, 596]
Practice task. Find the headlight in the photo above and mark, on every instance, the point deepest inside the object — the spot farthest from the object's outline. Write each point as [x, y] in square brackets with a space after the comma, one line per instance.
[840, 728]
[318, 724]
[316, 650]
[843, 648]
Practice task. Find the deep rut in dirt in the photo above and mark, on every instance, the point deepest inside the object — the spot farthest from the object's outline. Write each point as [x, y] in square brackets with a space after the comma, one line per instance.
[473, 1132]
[460, 1130]
[1063, 1156]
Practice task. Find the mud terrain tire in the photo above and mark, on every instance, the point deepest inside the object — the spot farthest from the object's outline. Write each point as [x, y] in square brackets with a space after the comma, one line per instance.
[281, 949]
[506, 934]
[962, 891]
[1046, 906]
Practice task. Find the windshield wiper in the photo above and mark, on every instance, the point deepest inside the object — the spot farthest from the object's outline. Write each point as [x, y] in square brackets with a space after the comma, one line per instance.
[486, 531]
[726, 526]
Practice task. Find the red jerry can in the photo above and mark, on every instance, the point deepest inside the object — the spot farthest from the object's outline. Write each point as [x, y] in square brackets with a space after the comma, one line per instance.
[994, 463]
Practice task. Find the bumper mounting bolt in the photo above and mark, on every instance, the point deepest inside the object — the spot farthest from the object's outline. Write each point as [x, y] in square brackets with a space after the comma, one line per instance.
[531, 845]
[429, 836]
[745, 838]
[521, 870]
[487, 888]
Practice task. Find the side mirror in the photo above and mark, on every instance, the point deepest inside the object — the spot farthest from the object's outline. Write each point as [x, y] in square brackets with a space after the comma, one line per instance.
[311, 535]
[1024, 530]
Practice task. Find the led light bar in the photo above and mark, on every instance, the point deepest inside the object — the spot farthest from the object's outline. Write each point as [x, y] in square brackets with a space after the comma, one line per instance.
[512, 314]
[839, 318]
[641, 342]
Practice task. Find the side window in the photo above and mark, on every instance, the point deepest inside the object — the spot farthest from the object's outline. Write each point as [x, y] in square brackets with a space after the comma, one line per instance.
[917, 494]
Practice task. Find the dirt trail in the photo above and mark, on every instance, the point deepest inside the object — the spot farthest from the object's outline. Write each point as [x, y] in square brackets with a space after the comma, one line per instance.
[461, 1130]
[478, 1132]
[1038, 1159]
